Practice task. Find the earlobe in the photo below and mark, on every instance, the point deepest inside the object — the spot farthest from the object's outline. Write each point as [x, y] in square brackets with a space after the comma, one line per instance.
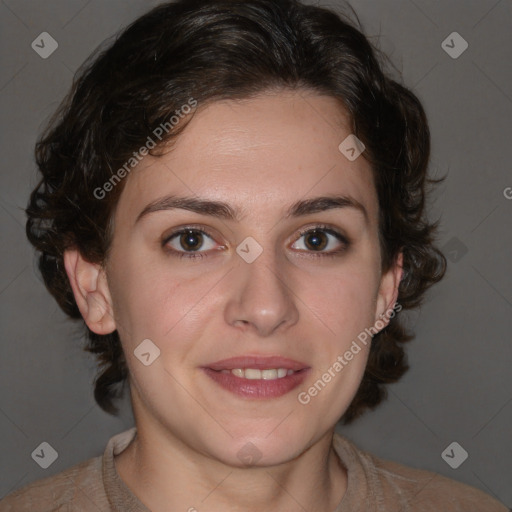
[388, 292]
[90, 288]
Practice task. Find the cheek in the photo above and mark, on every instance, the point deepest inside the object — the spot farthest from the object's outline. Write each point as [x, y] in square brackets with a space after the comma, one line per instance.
[344, 300]
[154, 300]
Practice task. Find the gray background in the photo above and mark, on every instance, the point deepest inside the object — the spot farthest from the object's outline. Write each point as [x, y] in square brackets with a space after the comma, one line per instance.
[459, 387]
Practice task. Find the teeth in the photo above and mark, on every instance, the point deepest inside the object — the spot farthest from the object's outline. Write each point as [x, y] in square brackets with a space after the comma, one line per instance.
[269, 374]
[255, 374]
[252, 374]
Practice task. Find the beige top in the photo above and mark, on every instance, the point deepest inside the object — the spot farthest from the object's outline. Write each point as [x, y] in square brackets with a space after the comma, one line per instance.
[374, 485]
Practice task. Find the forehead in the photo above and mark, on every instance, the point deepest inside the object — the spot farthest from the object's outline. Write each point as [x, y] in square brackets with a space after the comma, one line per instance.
[259, 155]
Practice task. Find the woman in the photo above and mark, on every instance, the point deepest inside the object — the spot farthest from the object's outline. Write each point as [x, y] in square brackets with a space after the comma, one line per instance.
[232, 199]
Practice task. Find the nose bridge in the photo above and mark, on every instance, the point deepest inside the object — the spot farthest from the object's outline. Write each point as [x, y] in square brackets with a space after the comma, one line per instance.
[260, 297]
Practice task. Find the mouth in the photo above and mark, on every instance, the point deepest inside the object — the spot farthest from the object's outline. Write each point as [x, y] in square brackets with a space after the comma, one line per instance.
[257, 377]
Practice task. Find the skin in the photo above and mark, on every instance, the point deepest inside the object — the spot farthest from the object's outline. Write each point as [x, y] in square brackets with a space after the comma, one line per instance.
[260, 156]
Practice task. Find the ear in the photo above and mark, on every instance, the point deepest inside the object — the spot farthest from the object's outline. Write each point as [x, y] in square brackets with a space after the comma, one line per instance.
[388, 293]
[90, 288]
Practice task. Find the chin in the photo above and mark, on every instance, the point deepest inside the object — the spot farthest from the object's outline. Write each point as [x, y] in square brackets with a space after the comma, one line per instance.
[257, 450]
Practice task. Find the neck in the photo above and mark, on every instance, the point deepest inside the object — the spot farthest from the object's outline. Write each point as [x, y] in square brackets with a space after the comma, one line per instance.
[169, 475]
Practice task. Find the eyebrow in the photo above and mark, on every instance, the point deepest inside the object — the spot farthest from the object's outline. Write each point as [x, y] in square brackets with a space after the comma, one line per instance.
[224, 211]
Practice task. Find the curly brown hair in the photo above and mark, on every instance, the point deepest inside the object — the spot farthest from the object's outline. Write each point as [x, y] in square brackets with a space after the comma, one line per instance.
[230, 49]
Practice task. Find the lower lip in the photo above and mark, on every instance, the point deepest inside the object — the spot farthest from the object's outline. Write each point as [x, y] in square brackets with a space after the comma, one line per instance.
[257, 388]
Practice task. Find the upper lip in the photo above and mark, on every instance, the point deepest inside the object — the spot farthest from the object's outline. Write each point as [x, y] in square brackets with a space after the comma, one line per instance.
[257, 362]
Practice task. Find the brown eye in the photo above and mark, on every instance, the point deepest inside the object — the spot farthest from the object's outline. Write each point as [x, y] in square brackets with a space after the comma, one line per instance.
[316, 240]
[322, 240]
[191, 240]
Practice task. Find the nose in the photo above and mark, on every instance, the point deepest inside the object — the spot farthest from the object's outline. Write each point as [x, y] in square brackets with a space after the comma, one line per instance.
[261, 297]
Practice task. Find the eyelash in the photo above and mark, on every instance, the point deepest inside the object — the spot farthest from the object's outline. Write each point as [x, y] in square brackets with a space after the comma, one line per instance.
[198, 255]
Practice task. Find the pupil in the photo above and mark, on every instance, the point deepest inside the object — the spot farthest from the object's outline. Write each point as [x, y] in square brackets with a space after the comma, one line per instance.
[191, 240]
[316, 240]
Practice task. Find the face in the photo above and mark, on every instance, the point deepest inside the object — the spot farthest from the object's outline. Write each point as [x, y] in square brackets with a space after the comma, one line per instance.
[277, 278]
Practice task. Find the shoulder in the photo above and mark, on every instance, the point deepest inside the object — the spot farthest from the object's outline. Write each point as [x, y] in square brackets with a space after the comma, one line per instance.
[428, 491]
[408, 489]
[79, 487]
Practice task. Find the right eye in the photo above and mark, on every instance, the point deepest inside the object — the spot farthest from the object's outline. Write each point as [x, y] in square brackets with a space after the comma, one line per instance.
[189, 242]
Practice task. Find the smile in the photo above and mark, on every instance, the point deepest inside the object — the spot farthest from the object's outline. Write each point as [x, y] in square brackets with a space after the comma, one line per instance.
[256, 374]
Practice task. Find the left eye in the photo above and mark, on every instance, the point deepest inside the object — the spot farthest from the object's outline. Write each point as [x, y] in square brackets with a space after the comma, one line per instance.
[320, 240]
